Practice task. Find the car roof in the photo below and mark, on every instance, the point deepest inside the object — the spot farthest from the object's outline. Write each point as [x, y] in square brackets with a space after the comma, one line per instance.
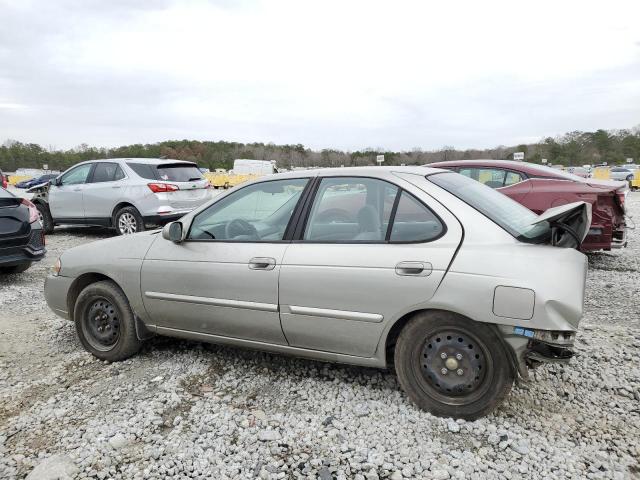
[356, 172]
[532, 169]
[146, 161]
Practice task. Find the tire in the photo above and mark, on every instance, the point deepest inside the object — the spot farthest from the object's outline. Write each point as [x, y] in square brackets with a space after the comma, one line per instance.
[105, 323]
[45, 218]
[128, 220]
[16, 268]
[479, 373]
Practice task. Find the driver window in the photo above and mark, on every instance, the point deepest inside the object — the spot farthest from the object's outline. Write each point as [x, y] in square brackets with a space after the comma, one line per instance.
[77, 175]
[257, 213]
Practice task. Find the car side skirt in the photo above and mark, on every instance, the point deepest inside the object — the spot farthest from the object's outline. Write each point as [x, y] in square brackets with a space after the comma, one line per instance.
[270, 347]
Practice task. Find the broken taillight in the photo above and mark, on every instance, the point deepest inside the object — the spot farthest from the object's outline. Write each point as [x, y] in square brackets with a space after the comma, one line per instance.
[34, 215]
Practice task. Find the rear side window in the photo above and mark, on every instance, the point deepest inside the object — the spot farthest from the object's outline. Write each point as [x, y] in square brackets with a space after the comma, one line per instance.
[179, 172]
[502, 210]
[107, 172]
[512, 178]
[144, 170]
[414, 222]
[351, 210]
[368, 210]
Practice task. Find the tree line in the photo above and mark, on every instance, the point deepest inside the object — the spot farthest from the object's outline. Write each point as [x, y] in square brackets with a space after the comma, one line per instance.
[574, 148]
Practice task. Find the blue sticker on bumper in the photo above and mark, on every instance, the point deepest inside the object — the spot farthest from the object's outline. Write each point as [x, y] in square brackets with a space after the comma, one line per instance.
[523, 331]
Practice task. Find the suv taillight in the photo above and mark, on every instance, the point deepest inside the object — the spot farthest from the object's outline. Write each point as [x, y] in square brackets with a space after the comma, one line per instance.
[34, 215]
[162, 187]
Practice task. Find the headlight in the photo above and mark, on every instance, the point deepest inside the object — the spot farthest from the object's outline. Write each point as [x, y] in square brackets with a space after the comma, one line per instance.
[55, 269]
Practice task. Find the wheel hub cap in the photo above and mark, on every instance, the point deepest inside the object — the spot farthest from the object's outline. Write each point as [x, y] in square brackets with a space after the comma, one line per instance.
[452, 364]
[127, 223]
[102, 323]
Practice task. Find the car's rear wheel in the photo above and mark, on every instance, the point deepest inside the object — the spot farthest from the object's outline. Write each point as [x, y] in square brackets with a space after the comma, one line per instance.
[16, 268]
[128, 220]
[45, 217]
[452, 366]
[105, 322]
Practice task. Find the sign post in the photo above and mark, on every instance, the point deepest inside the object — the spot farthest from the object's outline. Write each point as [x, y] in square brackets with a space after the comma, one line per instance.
[379, 159]
[518, 156]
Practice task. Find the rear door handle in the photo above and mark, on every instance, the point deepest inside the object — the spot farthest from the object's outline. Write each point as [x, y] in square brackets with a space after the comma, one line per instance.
[415, 269]
[77, 189]
[262, 263]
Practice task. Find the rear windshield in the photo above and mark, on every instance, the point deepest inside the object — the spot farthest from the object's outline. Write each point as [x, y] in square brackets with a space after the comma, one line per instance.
[179, 172]
[500, 209]
[173, 172]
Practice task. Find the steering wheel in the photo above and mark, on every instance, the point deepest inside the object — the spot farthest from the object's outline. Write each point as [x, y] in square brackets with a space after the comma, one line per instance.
[237, 227]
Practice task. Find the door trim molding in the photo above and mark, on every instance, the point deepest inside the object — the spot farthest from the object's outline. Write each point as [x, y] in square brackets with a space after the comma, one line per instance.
[218, 302]
[342, 314]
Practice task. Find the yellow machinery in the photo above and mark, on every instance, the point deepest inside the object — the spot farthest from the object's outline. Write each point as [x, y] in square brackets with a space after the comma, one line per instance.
[13, 179]
[227, 180]
[601, 173]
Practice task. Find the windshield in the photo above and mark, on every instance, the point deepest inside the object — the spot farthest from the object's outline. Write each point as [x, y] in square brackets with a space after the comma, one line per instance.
[500, 209]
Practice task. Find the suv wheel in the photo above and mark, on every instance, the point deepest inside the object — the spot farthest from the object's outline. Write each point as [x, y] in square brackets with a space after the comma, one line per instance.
[45, 217]
[452, 366]
[105, 322]
[128, 220]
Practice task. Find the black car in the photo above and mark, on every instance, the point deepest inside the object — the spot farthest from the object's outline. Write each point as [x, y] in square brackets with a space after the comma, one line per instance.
[36, 181]
[21, 234]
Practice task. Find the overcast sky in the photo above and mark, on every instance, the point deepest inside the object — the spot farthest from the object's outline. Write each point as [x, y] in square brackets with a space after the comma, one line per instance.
[328, 74]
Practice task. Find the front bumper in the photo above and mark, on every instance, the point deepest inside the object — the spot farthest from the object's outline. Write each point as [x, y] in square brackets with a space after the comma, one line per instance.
[56, 290]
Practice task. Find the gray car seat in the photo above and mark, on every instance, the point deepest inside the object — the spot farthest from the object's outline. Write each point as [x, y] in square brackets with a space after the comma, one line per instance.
[369, 224]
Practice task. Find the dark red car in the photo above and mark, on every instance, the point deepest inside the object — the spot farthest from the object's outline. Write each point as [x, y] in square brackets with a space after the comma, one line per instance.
[539, 188]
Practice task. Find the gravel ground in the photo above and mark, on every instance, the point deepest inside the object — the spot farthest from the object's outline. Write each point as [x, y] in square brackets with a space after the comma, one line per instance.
[189, 410]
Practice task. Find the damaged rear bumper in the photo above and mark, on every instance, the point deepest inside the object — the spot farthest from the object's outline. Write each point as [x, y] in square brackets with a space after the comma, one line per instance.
[532, 347]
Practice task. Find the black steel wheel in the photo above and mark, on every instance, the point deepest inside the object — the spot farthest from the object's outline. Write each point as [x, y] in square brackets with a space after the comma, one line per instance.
[452, 366]
[105, 322]
[101, 324]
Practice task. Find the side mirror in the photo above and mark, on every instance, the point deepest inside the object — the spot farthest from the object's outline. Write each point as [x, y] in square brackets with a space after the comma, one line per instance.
[56, 181]
[173, 232]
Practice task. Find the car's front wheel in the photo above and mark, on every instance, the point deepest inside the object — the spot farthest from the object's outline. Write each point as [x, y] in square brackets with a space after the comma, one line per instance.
[128, 220]
[105, 322]
[45, 218]
[452, 366]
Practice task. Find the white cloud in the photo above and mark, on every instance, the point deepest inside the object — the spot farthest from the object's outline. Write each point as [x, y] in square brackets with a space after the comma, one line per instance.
[345, 74]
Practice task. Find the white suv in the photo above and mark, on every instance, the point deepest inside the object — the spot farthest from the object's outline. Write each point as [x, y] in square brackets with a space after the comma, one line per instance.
[123, 193]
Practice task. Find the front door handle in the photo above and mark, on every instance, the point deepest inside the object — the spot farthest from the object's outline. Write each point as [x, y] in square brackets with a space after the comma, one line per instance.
[415, 269]
[262, 263]
[77, 189]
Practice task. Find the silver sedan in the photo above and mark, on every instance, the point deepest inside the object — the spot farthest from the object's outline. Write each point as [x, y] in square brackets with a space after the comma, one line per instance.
[456, 286]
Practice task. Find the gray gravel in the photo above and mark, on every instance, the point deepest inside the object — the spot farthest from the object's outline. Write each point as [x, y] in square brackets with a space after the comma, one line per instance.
[190, 410]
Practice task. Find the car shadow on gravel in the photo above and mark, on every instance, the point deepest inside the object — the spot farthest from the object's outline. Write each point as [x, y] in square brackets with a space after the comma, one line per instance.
[272, 363]
[98, 232]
